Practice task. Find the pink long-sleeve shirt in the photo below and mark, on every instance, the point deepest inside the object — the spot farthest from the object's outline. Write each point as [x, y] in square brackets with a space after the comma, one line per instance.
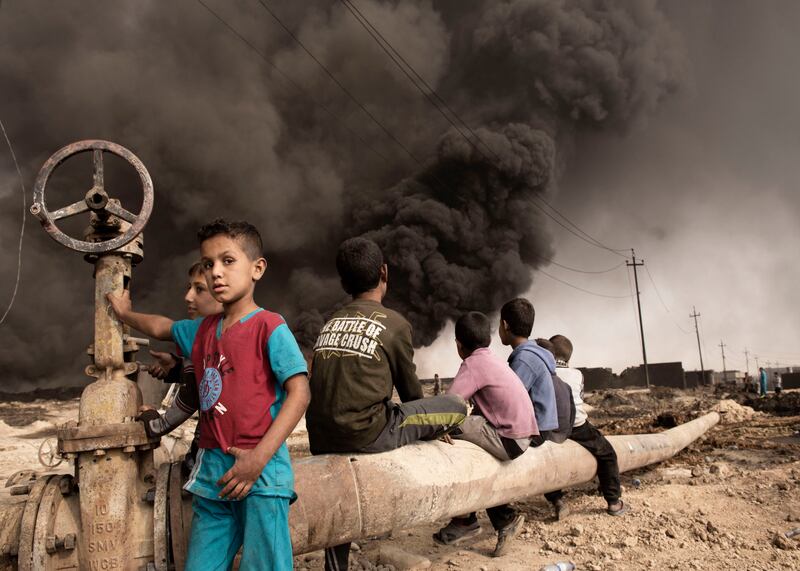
[497, 393]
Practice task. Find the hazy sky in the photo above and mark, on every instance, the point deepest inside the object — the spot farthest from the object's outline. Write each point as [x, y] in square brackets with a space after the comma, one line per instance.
[707, 191]
[675, 124]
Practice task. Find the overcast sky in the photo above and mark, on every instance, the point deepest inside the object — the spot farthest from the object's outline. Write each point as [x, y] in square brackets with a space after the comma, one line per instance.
[707, 192]
[675, 127]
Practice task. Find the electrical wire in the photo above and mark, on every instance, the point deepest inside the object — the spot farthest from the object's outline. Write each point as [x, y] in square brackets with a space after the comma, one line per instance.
[578, 270]
[299, 88]
[22, 228]
[661, 299]
[344, 89]
[441, 105]
[552, 277]
[386, 130]
[291, 82]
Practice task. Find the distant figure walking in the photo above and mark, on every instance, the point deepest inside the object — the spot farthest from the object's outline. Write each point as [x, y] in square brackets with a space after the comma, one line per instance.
[778, 383]
[437, 384]
[762, 377]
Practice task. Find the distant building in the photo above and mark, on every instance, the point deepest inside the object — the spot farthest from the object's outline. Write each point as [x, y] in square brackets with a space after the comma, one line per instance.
[596, 378]
[661, 375]
[699, 378]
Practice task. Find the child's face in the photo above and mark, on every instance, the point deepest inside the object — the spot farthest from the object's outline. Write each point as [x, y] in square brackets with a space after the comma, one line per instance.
[199, 301]
[230, 274]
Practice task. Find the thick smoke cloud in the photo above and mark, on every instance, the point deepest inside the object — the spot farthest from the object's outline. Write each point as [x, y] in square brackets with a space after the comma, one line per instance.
[463, 235]
[223, 134]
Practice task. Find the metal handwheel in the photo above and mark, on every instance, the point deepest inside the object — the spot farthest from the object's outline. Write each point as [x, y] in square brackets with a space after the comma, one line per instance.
[96, 199]
[48, 453]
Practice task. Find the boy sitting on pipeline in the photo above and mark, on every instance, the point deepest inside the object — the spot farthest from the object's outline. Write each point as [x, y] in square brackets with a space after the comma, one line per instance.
[502, 422]
[363, 352]
[587, 435]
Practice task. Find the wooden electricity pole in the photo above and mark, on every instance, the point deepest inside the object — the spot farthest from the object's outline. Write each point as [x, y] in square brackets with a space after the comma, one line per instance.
[695, 315]
[747, 362]
[724, 368]
[634, 264]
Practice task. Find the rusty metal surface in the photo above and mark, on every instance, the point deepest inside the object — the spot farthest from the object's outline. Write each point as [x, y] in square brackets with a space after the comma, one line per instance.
[11, 511]
[27, 525]
[109, 523]
[44, 519]
[72, 439]
[330, 522]
[108, 501]
[160, 523]
[111, 400]
[109, 277]
[96, 199]
[429, 481]
[178, 532]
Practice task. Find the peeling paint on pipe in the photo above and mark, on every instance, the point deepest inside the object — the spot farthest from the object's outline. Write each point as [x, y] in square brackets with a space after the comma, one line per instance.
[348, 497]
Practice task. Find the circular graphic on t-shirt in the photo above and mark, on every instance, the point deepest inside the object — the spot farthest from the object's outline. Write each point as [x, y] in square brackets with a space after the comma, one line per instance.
[210, 388]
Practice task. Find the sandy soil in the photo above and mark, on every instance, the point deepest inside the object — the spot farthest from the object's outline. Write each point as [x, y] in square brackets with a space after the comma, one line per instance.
[723, 503]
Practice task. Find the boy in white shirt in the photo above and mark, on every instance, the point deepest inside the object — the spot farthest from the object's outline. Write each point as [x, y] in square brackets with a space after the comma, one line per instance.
[587, 435]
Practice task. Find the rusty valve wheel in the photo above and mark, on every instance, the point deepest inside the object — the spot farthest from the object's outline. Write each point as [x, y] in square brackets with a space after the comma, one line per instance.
[48, 453]
[96, 199]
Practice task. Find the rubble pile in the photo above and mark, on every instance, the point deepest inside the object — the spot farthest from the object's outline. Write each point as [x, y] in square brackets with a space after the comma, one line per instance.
[731, 411]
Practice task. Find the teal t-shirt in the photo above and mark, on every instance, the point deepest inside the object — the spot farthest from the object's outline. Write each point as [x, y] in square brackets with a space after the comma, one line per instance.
[285, 360]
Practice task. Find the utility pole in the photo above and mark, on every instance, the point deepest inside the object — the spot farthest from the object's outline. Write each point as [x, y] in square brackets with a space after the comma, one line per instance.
[695, 315]
[634, 264]
[724, 368]
[747, 362]
[757, 364]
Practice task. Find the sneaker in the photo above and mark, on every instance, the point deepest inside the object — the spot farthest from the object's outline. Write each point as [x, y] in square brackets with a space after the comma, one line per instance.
[506, 535]
[454, 533]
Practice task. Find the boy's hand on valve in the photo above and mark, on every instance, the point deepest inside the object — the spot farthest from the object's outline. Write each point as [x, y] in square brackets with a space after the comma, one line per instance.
[163, 365]
[121, 304]
[240, 478]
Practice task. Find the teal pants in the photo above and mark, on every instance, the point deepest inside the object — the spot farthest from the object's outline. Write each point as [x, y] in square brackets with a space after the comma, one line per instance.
[257, 524]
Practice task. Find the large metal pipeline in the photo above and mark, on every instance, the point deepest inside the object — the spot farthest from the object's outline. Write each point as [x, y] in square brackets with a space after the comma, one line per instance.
[347, 497]
[341, 497]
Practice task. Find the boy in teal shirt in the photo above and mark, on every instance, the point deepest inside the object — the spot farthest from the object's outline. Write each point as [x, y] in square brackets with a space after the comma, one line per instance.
[253, 389]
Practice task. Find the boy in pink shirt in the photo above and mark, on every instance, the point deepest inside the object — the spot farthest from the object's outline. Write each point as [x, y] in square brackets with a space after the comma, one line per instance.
[502, 422]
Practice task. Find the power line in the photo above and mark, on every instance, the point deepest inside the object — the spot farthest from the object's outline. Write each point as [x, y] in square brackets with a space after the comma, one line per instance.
[22, 228]
[344, 89]
[249, 44]
[552, 277]
[578, 270]
[290, 81]
[441, 105]
[661, 299]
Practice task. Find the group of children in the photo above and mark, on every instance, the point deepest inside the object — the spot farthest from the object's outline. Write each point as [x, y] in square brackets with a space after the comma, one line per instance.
[242, 370]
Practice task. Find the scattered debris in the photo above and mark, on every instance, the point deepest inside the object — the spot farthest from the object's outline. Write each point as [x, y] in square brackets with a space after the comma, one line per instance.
[731, 411]
[402, 560]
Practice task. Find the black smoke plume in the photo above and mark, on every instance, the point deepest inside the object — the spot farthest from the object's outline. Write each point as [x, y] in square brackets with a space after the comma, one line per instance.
[223, 134]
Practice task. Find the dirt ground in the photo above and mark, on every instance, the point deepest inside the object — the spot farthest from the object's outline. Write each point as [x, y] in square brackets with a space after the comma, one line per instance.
[723, 503]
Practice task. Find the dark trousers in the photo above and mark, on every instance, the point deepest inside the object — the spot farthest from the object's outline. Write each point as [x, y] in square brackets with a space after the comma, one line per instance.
[593, 440]
[423, 419]
[500, 516]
